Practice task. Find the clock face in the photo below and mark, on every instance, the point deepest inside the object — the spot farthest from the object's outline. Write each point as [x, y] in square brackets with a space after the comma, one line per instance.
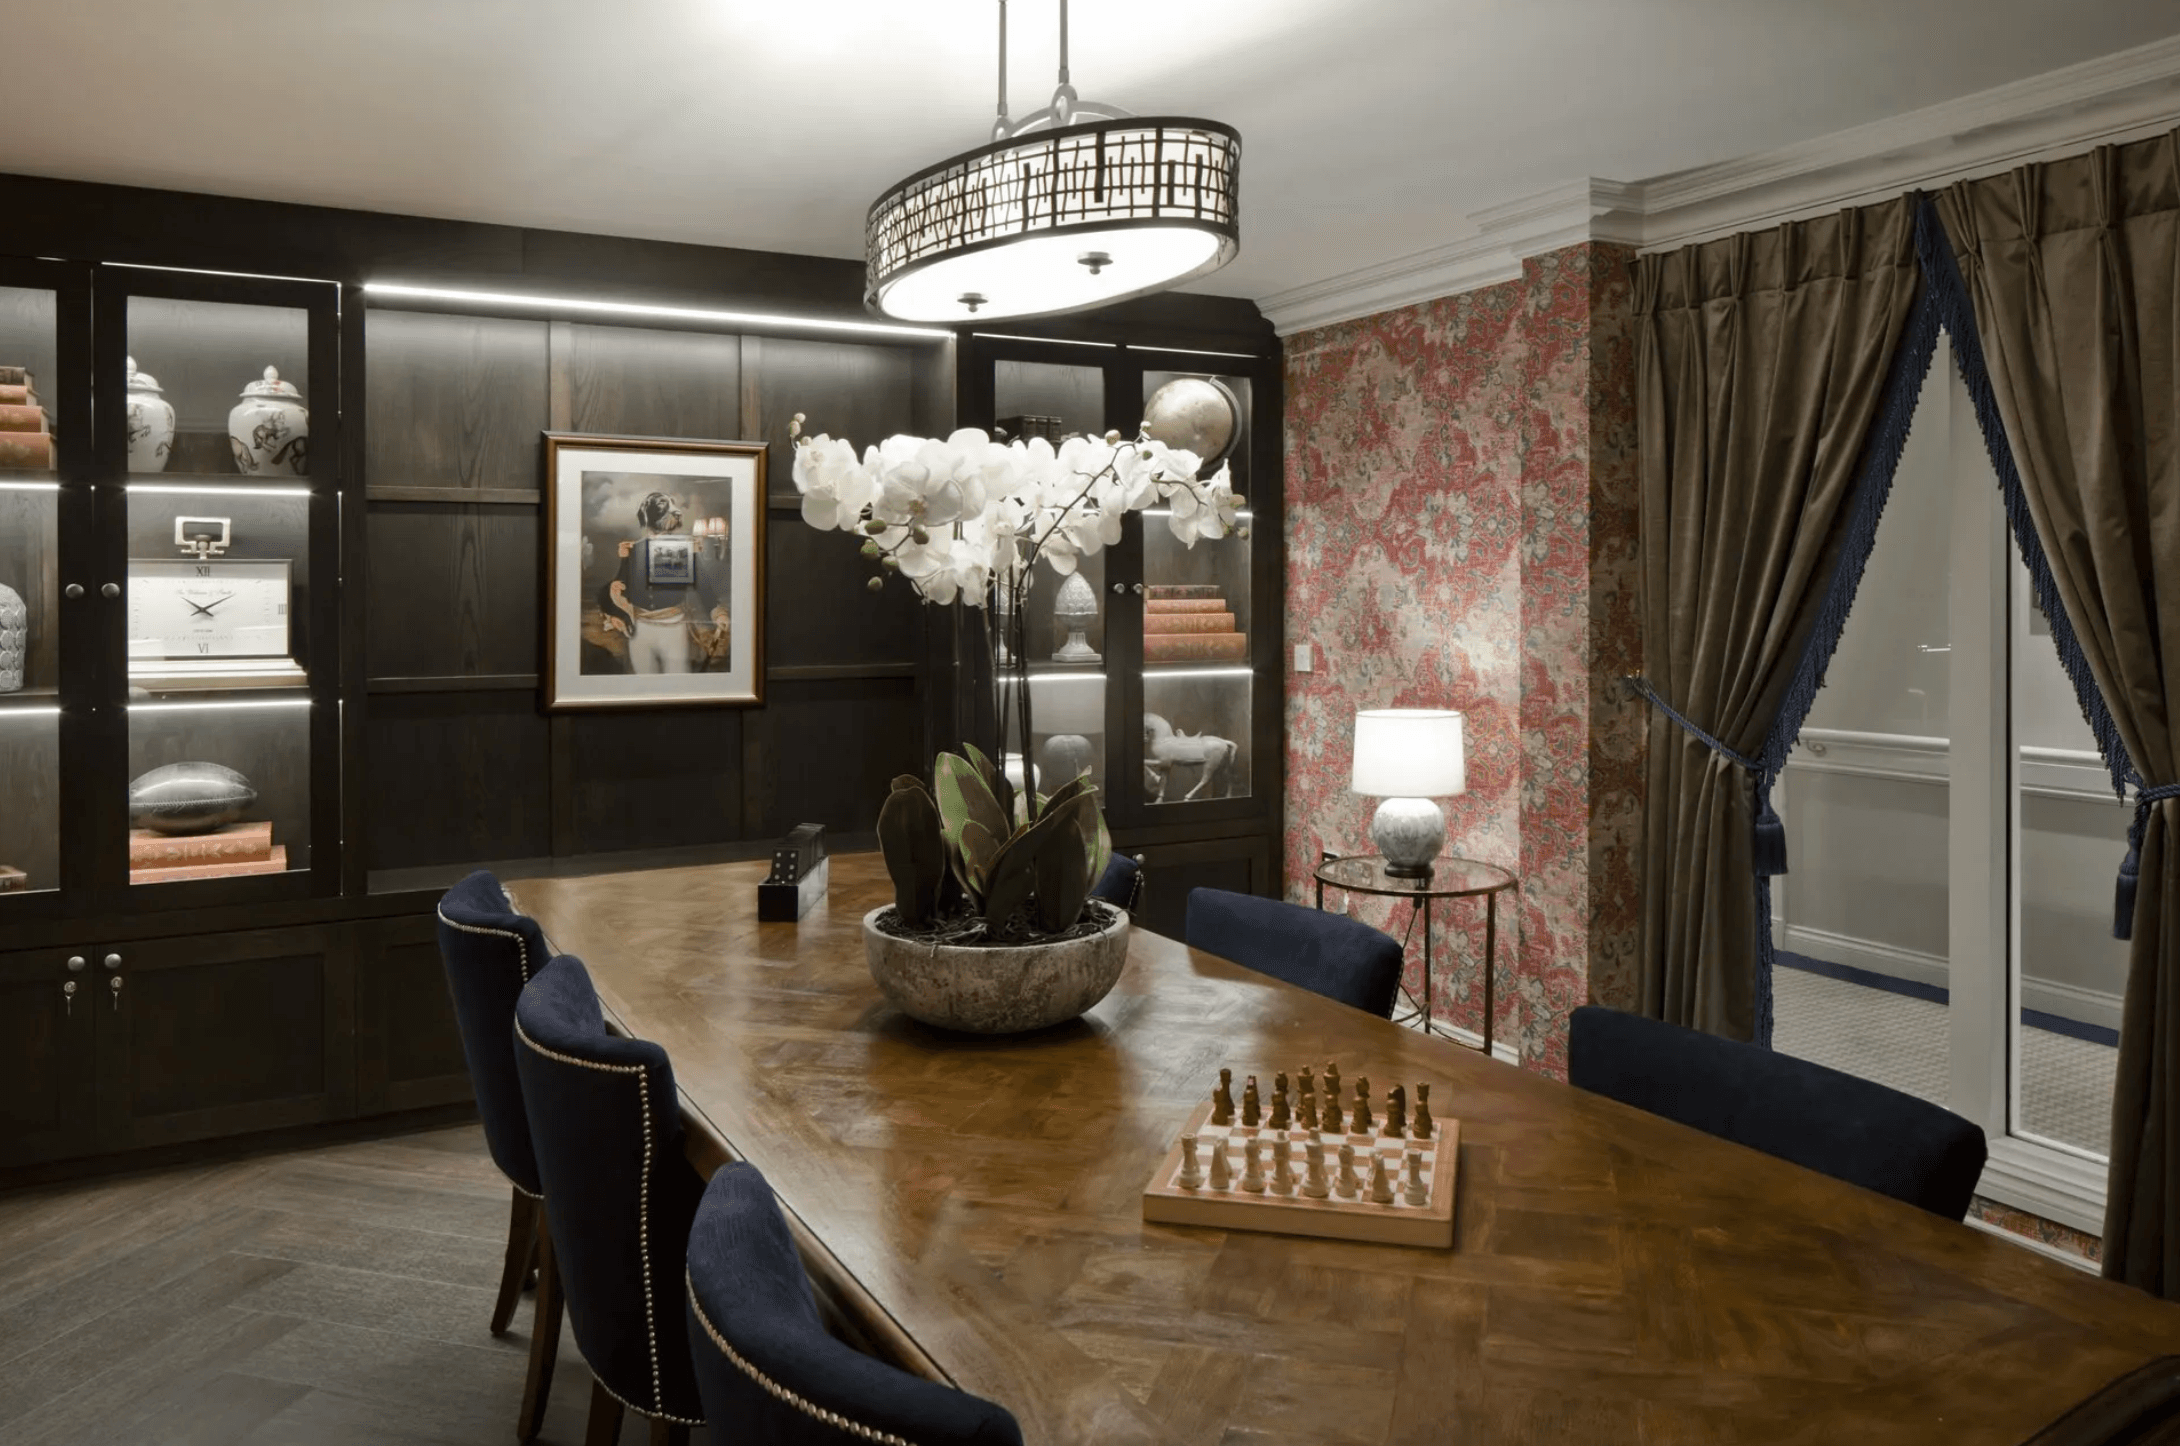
[214, 608]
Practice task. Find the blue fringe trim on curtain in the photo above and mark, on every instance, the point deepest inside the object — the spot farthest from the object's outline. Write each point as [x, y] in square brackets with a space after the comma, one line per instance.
[1872, 489]
[1941, 274]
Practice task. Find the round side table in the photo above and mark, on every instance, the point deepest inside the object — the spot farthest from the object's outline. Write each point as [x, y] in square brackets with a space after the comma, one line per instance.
[1449, 878]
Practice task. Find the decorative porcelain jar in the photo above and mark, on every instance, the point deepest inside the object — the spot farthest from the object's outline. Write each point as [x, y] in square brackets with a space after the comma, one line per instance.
[14, 638]
[151, 423]
[270, 428]
[998, 989]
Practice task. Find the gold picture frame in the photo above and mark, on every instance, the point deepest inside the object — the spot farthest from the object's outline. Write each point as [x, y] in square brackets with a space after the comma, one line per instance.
[625, 629]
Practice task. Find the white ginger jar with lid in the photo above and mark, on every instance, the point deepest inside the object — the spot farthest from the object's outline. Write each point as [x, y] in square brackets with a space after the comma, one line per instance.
[151, 423]
[270, 428]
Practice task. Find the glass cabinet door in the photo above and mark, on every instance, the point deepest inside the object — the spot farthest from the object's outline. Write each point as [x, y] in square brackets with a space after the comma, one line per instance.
[1198, 680]
[1065, 622]
[43, 312]
[223, 533]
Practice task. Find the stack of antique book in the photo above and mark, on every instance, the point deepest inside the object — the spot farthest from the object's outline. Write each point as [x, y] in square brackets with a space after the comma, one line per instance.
[26, 435]
[238, 848]
[1190, 623]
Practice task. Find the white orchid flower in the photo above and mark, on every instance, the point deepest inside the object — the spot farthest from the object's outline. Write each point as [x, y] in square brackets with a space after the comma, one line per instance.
[835, 487]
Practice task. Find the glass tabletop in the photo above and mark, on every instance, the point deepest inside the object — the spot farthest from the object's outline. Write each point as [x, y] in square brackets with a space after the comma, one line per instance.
[1449, 877]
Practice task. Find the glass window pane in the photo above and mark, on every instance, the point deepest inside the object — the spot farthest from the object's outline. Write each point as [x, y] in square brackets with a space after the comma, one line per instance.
[2072, 972]
[219, 724]
[1042, 399]
[29, 381]
[1860, 921]
[218, 388]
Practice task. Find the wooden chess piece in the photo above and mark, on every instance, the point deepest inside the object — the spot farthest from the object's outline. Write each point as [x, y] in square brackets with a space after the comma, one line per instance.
[1313, 1183]
[1282, 1167]
[1306, 1100]
[1360, 1122]
[1222, 1174]
[1332, 1098]
[1252, 1168]
[1281, 1118]
[1192, 1175]
[1347, 1186]
[1423, 1125]
[1249, 1112]
[1381, 1189]
[1414, 1192]
[1222, 1099]
[1396, 1113]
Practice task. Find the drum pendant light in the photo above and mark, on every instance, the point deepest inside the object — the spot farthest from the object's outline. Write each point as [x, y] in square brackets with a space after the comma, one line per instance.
[1076, 206]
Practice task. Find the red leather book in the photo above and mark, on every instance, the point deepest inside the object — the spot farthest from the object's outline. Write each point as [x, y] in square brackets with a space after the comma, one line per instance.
[22, 419]
[276, 864]
[25, 449]
[1195, 647]
[1188, 623]
[236, 843]
[1185, 605]
[14, 377]
[1164, 591]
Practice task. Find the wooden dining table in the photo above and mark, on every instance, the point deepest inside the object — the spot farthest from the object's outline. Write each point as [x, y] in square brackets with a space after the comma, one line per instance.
[971, 1208]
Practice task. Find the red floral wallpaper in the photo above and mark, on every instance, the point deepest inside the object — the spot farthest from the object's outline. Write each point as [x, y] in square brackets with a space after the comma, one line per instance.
[1461, 532]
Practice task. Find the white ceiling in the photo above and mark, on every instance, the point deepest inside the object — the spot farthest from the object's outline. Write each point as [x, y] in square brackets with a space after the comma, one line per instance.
[1371, 128]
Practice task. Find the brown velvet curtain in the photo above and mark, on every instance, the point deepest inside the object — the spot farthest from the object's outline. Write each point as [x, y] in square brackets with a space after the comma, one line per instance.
[2074, 270]
[1761, 364]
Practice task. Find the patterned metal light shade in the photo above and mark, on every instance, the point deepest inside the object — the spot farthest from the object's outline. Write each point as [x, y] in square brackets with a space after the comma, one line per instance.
[1056, 220]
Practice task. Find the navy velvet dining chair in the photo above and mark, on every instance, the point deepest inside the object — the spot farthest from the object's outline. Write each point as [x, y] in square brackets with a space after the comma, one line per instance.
[766, 1367]
[1836, 1124]
[1328, 954]
[606, 1122]
[1121, 883]
[490, 951]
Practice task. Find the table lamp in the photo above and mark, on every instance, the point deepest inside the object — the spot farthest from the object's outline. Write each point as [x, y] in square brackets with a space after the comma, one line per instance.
[1068, 707]
[1408, 756]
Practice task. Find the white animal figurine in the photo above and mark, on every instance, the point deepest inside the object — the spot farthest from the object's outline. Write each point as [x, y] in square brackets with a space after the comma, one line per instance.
[1163, 749]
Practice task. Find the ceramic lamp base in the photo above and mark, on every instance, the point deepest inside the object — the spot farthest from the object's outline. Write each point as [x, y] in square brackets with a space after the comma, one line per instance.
[1066, 756]
[1408, 833]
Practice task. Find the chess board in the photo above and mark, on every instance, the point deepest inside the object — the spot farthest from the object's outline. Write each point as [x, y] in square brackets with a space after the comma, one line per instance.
[1169, 1202]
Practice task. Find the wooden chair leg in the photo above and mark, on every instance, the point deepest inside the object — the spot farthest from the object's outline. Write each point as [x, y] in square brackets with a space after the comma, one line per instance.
[521, 1245]
[605, 1417]
[537, 1386]
[668, 1433]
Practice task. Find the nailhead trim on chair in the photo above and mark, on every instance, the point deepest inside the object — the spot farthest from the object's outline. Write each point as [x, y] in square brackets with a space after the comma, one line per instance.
[522, 945]
[522, 963]
[643, 1223]
[780, 1392]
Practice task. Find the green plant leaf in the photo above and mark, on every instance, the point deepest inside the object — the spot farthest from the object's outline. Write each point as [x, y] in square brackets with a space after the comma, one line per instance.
[905, 780]
[915, 854]
[1063, 881]
[961, 796]
[1101, 849]
[1014, 876]
[979, 851]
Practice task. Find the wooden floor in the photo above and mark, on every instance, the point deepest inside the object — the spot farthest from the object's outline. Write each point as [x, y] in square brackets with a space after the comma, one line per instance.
[320, 1298]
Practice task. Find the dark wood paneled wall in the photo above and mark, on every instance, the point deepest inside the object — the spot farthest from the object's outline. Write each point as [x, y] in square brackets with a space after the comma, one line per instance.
[452, 470]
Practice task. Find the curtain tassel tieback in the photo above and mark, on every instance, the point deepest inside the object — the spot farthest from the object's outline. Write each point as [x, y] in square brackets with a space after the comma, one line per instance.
[2130, 867]
[1770, 840]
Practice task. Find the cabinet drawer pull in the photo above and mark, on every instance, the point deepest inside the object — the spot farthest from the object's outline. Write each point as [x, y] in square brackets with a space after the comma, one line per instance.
[68, 997]
[114, 985]
[76, 963]
[113, 961]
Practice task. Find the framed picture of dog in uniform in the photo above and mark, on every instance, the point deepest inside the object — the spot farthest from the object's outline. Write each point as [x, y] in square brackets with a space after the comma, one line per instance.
[654, 572]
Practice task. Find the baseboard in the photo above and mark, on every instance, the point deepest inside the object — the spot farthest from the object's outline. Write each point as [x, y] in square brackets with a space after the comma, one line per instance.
[2092, 1007]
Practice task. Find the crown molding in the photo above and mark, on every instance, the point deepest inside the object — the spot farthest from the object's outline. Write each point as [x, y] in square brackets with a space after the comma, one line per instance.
[2114, 98]
[1505, 235]
[2118, 97]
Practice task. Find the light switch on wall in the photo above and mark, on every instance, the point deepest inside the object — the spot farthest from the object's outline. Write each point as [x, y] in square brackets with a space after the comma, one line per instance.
[1305, 659]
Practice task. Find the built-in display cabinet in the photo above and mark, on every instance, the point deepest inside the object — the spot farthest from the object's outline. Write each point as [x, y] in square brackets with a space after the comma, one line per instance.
[272, 629]
[1159, 671]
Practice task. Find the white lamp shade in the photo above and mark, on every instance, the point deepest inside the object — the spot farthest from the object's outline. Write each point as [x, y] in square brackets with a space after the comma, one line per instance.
[1409, 753]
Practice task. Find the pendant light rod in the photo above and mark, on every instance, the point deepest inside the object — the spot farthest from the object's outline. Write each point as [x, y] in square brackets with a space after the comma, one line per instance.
[1001, 128]
[1063, 40]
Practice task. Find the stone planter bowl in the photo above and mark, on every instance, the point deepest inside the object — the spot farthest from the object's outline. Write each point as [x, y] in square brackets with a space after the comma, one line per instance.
[997, 990]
